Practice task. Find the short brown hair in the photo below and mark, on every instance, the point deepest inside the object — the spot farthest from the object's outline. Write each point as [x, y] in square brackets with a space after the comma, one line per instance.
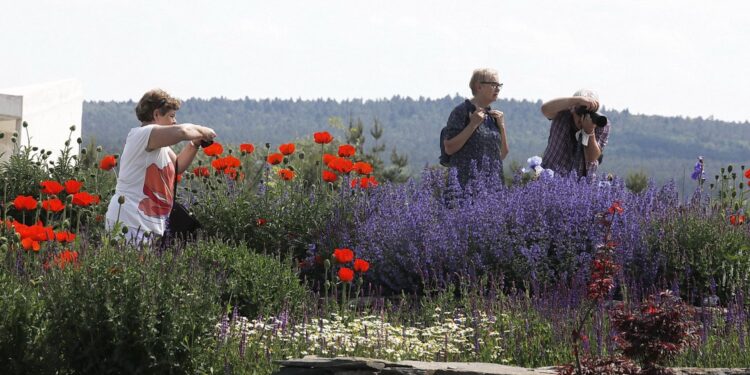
[153, 100]
[480, 75]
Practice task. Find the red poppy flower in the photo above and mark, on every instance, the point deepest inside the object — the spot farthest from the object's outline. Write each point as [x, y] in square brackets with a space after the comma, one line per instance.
[66, 257]
[73, 186]
[215, 149]
[30, 244]
[201, 172]
[343, 255]
[54, 205]
[329, 176]
[227, 162]
[346, 275]
[361, 265]
[286, 174]
[51, 187]
[65, 236]
[346, 151]
[362, 168]
[341, 165]
[247, 148]
[108, 162]
[364, 182]
[616, 207]
[232, 173]
[84, 199]
[737, 219]
[325, 138]
[24, 203]
[747, 173]
[275, 158]
[260, 222]
[287, 148]
[327, 158]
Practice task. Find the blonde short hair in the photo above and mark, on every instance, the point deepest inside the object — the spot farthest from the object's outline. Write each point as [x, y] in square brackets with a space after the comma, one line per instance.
[480, 75]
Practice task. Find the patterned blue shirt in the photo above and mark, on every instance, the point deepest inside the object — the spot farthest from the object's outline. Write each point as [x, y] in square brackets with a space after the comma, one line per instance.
[485, 142]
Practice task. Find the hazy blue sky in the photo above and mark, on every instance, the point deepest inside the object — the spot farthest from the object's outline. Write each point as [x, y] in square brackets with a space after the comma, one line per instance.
[680, 57]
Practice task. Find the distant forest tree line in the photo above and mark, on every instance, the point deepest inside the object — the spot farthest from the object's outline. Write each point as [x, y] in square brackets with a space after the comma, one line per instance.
[662, 147]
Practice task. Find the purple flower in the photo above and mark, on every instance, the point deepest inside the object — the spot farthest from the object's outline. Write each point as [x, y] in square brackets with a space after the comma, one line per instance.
[698, 169]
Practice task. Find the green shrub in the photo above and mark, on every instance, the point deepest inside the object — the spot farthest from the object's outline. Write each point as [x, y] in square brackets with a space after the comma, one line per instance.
[122, 310]
[704, 254]
[257, 284]
[636, 181]
[21, 327]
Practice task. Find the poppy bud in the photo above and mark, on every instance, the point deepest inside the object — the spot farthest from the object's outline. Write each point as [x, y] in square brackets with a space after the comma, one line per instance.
[741, 185]
[125, 230]
[711, 186]
[79, 140]
[49, 152]
[112, 242]
[301, 155]
[146, 234]
[13, 139]
[72, 128]
[66, 223]
[734, 175]
[67, 143]
[268, 145]
[34, 148]
[734, 194]
[328, 284]
[729, 168]
[98, 148]
[327, 264]
[25, 124]
[2, 135]
[121, 199]
[84, 151]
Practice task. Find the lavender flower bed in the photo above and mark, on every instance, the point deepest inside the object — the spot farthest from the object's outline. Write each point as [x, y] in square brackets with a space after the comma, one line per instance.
[433, 231]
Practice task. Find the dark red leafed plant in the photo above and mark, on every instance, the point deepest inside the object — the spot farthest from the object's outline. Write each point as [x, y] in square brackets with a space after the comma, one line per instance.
[616, 365]
[662, 328]
[603, 271]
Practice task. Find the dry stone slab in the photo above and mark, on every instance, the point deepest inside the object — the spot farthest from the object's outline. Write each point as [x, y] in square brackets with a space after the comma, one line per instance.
[313, 365]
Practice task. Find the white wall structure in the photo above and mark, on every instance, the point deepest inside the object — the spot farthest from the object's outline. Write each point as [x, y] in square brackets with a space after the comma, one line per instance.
[49, 109]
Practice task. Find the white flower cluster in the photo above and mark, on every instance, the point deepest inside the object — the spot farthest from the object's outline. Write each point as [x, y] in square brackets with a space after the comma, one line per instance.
[453, 335]
[535, 167]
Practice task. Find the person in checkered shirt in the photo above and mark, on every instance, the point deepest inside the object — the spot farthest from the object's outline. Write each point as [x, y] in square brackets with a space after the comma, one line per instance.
[575, 143]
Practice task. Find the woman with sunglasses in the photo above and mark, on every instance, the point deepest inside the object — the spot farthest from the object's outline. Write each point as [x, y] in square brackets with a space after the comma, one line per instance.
[143, 196]
[475, 134]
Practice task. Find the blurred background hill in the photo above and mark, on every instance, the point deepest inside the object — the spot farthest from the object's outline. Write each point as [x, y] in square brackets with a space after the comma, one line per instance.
[661, 147]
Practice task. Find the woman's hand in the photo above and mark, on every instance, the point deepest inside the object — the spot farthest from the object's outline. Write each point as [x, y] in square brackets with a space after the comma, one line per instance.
[499, 118]
[476, 118]
[206, 134]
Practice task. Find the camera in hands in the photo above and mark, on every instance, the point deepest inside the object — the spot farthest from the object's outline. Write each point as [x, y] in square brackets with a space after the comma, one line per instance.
[205, 143]
[596, 118]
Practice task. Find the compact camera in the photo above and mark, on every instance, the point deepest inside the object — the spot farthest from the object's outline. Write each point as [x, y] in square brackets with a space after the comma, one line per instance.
[599, 120]
[205, 143]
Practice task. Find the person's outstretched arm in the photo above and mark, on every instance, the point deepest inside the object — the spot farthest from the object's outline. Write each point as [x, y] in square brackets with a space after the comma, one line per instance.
[551, 108]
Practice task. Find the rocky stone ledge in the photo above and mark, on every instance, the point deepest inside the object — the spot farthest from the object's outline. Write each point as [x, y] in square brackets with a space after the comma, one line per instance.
[313, 365]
